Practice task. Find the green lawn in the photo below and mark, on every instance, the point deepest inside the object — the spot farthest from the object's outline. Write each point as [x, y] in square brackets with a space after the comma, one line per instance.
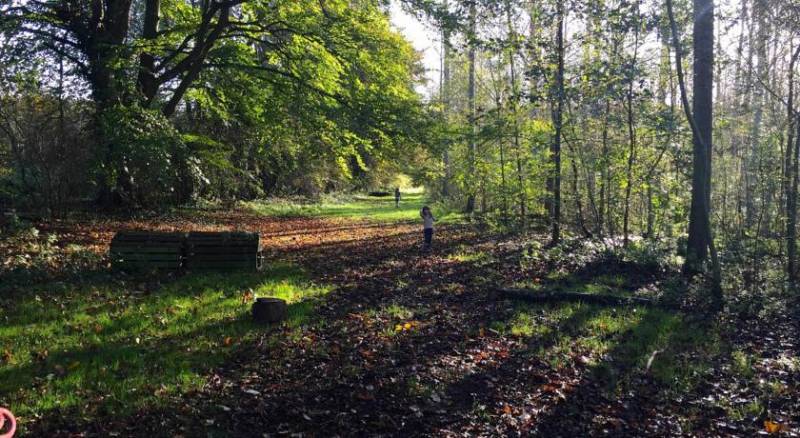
[99, 347]
[378, 209]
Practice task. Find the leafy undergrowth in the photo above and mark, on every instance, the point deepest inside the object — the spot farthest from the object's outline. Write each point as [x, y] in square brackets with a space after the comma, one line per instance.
[408, 343]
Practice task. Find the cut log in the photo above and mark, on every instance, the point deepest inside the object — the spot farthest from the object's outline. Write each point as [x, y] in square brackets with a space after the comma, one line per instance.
[551, 297]
[269, 310]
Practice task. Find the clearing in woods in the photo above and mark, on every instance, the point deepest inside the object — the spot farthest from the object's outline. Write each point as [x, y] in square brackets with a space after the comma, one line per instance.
[381, 338]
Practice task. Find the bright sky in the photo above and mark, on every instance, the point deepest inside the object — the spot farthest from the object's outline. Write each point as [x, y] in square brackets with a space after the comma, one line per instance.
[424, 39]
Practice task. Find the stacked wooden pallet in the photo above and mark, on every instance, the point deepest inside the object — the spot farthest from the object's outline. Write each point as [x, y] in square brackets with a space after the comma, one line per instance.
[215, 250]
[145, 250]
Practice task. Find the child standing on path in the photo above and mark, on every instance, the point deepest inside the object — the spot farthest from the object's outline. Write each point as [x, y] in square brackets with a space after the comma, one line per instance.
[427, 225]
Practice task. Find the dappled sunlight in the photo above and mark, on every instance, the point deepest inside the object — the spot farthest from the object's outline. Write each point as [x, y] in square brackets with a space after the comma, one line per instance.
[104, 349]
[392, 337]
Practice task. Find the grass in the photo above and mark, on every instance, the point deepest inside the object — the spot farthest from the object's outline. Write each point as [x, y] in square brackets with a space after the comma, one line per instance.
[616, 342]
[112, 347]
[378, 209]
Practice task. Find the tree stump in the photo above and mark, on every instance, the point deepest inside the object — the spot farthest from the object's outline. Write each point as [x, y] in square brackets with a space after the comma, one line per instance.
[268, 310]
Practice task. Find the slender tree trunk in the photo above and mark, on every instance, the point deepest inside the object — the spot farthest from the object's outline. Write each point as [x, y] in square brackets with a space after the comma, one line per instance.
[651, 214]
[444, 96]
[631, 142]
[555, 149]
[470, 207]
[574, 186]
[757, 109]
[515, 111]
[791, 176]
[605, 178]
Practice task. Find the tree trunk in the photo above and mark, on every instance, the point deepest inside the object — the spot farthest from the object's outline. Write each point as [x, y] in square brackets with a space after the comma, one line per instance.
[605, 178]
[148, 87]
[700, 119]
[631, 143]
[470, 207]
[699, 238]
[791, 176]
[555, 147]
[515, 111]
[444, 96]
[757, 108]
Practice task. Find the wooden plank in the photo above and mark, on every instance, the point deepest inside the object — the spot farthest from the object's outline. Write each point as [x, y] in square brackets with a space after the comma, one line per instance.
[220, 265]
[226, 234]
[144, 249]
[221, 250]
[123, 240]
[123, 237]
[200, 244]
[145, 256]
[146, 265]
[148, 262]
[223, 239]
[221, 259]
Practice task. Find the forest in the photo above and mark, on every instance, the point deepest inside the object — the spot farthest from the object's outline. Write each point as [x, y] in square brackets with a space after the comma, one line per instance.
[614, 185]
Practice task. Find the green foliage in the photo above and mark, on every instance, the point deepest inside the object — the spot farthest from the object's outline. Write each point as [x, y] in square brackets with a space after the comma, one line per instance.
[147, 155]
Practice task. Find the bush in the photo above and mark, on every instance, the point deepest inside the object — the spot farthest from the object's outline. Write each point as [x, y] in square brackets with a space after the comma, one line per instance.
[44, 153]
[148, 163]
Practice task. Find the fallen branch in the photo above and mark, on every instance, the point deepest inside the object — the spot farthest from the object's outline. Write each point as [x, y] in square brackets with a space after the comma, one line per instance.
[549, 297]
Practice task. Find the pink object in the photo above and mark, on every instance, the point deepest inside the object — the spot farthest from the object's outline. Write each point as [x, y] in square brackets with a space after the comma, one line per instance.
[6, 415]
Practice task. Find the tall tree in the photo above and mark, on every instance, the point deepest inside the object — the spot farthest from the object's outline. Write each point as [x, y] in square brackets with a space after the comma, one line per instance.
[700, 119]
[472, 115]
[791, 180]
[557, 114]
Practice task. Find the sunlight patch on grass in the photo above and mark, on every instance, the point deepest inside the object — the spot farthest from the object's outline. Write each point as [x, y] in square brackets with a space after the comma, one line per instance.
[111, 347]
[381, 209]
[468, 257]
[616, 342]
[374, 208]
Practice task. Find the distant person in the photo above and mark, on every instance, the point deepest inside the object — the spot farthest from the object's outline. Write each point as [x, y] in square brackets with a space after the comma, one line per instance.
[427, 226]
[396, 197]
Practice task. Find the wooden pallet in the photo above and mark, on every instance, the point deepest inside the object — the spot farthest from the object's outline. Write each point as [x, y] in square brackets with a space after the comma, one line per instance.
[222, 250]
[146, 250]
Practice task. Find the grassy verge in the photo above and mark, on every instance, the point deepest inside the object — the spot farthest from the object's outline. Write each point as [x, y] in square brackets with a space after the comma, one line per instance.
[114, 346]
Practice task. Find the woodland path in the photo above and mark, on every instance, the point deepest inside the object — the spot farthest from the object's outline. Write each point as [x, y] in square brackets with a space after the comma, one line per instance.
[404, 346]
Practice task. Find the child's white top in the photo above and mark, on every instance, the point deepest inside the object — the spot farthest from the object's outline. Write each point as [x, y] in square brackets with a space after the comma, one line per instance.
[427, 221]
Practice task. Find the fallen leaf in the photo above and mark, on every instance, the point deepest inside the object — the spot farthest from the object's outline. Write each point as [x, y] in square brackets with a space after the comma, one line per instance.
[775, 427]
